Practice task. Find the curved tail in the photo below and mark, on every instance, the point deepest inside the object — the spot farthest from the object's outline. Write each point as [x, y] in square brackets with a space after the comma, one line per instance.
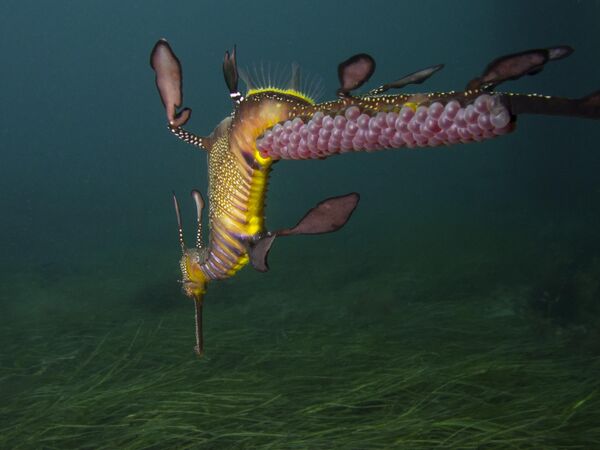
[587, 107]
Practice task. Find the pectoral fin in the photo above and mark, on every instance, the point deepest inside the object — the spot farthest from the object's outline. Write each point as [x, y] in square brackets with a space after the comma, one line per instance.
[328, 216]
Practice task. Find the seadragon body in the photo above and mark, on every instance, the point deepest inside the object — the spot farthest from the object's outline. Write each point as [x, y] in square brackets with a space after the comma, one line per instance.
[270, 124]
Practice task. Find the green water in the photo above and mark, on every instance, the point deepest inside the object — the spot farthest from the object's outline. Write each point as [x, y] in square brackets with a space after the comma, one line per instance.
[459, 308]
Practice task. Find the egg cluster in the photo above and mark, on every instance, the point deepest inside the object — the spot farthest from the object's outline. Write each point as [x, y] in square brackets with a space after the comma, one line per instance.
[427, 126]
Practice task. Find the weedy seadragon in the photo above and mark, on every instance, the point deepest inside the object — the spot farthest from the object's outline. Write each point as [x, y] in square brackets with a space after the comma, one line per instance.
[269, 124]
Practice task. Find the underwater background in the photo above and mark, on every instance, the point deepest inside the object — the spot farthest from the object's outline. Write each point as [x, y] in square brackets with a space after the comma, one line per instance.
[459, 307]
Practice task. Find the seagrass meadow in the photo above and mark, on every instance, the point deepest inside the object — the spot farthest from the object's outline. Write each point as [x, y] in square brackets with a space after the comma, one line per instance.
[459, 307]
[456, 364]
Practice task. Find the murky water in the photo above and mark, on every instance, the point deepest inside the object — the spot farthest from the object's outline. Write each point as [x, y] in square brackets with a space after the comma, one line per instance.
[459, 308]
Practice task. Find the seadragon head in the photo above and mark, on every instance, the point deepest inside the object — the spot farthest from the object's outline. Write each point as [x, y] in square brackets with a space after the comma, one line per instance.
[193, 278]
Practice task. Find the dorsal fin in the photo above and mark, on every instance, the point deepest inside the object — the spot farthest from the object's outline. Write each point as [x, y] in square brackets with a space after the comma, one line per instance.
[294, 83]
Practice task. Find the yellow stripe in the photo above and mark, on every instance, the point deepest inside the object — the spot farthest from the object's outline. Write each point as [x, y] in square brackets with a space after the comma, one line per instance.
[292, 92]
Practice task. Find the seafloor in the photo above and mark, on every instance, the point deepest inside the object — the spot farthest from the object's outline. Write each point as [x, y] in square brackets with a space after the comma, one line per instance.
[449, 344]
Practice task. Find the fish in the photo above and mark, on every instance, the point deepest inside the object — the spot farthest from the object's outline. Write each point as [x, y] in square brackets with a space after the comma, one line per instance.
[268, 124]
